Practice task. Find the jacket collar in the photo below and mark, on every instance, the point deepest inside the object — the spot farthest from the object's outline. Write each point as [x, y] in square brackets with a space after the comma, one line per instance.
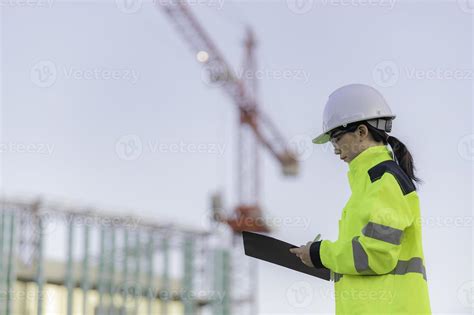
[367, 159]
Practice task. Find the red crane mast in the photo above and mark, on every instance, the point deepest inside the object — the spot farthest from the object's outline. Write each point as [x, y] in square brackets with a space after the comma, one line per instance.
[255, 129]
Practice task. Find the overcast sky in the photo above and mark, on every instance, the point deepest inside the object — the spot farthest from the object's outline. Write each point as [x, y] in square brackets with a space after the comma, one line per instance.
[103, 103]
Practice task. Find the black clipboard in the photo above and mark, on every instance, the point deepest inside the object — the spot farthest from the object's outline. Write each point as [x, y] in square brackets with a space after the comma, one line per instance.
[278, 252]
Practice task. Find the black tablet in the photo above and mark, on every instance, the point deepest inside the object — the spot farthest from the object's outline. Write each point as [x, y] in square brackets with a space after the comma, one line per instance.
[278, 252]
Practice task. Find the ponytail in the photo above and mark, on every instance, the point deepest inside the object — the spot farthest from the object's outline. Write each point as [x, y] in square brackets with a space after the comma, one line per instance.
[402, 155]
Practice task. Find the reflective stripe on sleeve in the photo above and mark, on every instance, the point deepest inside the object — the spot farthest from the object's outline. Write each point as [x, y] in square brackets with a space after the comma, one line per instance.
[415, 264]
[383, 233]
[403, 267]
[361, 260]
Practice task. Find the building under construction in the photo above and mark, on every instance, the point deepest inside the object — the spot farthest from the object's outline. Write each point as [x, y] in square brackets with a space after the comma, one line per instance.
[59, 260]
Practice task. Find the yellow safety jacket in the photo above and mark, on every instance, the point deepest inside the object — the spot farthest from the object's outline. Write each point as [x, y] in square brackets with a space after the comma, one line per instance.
[377, 262]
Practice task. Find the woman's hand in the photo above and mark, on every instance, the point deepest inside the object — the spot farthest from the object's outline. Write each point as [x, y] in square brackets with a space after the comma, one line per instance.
[303, 253]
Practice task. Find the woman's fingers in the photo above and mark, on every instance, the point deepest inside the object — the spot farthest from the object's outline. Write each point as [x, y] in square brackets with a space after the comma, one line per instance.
[294, 250]
[297, 250]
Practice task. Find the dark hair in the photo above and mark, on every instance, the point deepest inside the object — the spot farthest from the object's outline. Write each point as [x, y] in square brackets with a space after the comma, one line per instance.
[402, 155]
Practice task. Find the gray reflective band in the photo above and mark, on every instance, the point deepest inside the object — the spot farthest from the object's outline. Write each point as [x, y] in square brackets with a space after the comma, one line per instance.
[361, 260]
[383, 233]
[403, 267]
[413, 265]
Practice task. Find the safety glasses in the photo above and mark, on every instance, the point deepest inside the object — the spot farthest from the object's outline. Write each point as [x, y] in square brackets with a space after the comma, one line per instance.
[335, 136]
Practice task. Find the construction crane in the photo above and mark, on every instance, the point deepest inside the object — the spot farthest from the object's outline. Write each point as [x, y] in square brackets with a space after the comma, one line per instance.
[255, 129]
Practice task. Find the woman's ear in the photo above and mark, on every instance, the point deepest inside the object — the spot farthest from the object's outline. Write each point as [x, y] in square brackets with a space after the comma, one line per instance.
[363, 132]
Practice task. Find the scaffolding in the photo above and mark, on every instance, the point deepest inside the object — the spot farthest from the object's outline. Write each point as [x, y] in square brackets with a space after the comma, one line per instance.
[113, 264]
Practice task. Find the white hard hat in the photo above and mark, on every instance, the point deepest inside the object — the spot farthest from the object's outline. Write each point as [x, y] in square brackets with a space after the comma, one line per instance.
[352, 103]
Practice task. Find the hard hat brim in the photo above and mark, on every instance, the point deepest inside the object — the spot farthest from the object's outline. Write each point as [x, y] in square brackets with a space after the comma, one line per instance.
[322, 138]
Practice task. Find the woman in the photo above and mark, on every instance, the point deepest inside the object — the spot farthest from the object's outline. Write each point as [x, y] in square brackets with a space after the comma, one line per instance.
[377, 262]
